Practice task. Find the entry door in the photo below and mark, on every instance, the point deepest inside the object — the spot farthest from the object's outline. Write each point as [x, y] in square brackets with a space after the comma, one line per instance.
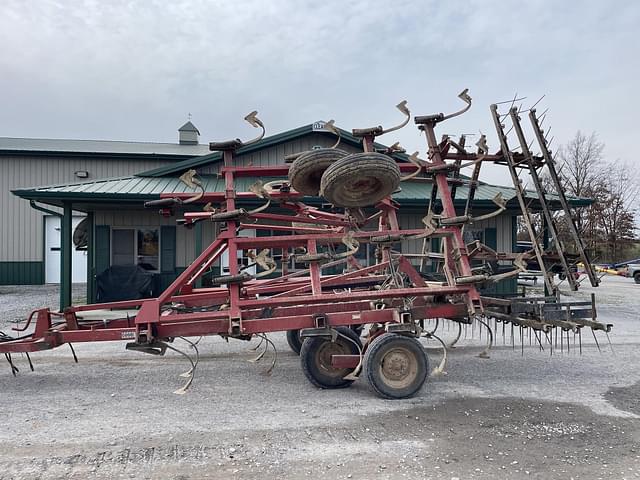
[52, 253]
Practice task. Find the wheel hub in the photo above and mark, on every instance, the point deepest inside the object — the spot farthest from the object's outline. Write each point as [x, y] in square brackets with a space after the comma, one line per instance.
[324, 357]
[399, 367]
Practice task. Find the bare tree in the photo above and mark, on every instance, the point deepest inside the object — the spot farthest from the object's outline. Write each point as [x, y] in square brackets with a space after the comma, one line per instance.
[607, 226]
[615, 213]
[580, 163]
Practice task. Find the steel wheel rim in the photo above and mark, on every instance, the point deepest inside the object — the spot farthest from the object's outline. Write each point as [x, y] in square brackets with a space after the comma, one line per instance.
[323, 358]
[399, 368]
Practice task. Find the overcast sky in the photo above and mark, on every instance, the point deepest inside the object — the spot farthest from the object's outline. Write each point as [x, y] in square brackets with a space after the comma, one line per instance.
[123, 70]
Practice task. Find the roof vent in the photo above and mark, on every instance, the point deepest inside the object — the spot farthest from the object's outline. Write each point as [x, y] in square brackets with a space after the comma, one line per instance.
[188, 134]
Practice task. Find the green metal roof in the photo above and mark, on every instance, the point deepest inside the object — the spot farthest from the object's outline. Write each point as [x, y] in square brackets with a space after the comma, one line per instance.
[138, 188]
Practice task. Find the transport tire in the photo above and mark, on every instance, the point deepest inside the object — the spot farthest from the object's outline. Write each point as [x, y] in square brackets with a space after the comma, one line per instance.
[636, 277]
[396, 366]
[315, 357]
[294, 341]
[306, 171]
[360, 180]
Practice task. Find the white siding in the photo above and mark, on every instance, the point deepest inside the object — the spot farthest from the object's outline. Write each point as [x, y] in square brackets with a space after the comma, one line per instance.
[21, 227]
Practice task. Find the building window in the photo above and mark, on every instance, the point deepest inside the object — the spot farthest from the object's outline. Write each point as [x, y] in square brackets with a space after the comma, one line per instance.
[136, 246]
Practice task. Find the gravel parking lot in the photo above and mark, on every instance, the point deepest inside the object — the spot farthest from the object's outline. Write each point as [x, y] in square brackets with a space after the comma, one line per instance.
[519, 414]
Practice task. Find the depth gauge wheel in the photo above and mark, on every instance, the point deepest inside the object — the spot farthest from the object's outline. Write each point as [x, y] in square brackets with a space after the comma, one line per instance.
[396, 366]
[306, 171]
[316, 353]
[360, 180]
[294, 340]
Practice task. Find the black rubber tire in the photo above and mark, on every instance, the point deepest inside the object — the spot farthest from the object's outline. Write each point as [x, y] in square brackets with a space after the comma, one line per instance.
[360, 180]
[396, 366]
[315, 357]
[294, 340]
[636, 277]
[306, 171]
[358, 329]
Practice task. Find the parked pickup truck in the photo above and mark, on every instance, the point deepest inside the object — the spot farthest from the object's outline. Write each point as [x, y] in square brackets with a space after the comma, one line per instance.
[633, 271]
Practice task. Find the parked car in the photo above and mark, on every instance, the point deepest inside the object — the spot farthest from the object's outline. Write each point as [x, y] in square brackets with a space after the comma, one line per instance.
[633, 271]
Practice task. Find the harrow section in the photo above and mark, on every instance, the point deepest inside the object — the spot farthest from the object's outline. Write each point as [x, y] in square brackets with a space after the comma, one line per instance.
[324, 313]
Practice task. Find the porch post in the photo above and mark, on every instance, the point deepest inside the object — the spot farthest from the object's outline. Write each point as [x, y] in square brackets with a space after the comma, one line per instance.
[65, 255]
[90, 259]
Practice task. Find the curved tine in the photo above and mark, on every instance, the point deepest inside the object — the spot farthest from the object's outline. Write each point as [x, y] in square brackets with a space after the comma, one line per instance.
[194, 346]
[190, 180]
[356, 371]
[413, 158]
[275, 356]
[485, 352]
[434, 328]
[464, 96]
[33, 370]
[402, 106]
[352, 245]
[253, 349]
[455, 340]
[330, 125]
[255, 122]
[500, 202]
[260, 209]
[605, 332]
[182, 390]
[439, 370]
[266, 272]
[261, 354]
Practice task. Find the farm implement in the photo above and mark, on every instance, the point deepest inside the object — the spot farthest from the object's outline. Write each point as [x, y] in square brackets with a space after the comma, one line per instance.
[389, 298]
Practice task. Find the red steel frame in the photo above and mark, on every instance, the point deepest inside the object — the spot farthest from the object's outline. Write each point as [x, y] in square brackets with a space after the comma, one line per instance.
[293, 300]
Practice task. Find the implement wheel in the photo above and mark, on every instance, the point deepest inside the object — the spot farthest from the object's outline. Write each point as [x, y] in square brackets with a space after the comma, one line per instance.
[396, 366]
[360, 180]
[306, 171]
[315, 357]
[294, 340]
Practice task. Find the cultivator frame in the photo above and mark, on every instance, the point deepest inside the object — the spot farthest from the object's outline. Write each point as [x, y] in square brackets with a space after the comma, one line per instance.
[391, 295]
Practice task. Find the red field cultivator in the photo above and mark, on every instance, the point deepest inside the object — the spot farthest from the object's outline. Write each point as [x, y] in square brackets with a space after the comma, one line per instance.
[325, 313]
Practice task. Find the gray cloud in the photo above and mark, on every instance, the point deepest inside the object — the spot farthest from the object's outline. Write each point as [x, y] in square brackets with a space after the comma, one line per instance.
[133, 70]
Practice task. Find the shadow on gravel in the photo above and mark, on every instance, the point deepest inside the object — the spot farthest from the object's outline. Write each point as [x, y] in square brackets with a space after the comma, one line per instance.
[625, 398]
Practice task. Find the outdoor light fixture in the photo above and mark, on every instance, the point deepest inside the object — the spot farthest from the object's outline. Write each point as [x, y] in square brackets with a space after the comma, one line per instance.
[81, 174]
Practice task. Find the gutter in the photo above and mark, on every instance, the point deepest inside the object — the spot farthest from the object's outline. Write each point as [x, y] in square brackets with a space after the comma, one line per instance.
[35, 206]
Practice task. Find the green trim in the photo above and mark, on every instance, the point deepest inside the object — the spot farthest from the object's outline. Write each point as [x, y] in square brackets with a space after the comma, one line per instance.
[102, 252]
[21, 273]
[90, 258]
[101, 155]
[514, 232]
[66, 245]
[167, 248]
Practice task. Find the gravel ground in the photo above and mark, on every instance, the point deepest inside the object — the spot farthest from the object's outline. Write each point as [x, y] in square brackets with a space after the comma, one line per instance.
[523, 413]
